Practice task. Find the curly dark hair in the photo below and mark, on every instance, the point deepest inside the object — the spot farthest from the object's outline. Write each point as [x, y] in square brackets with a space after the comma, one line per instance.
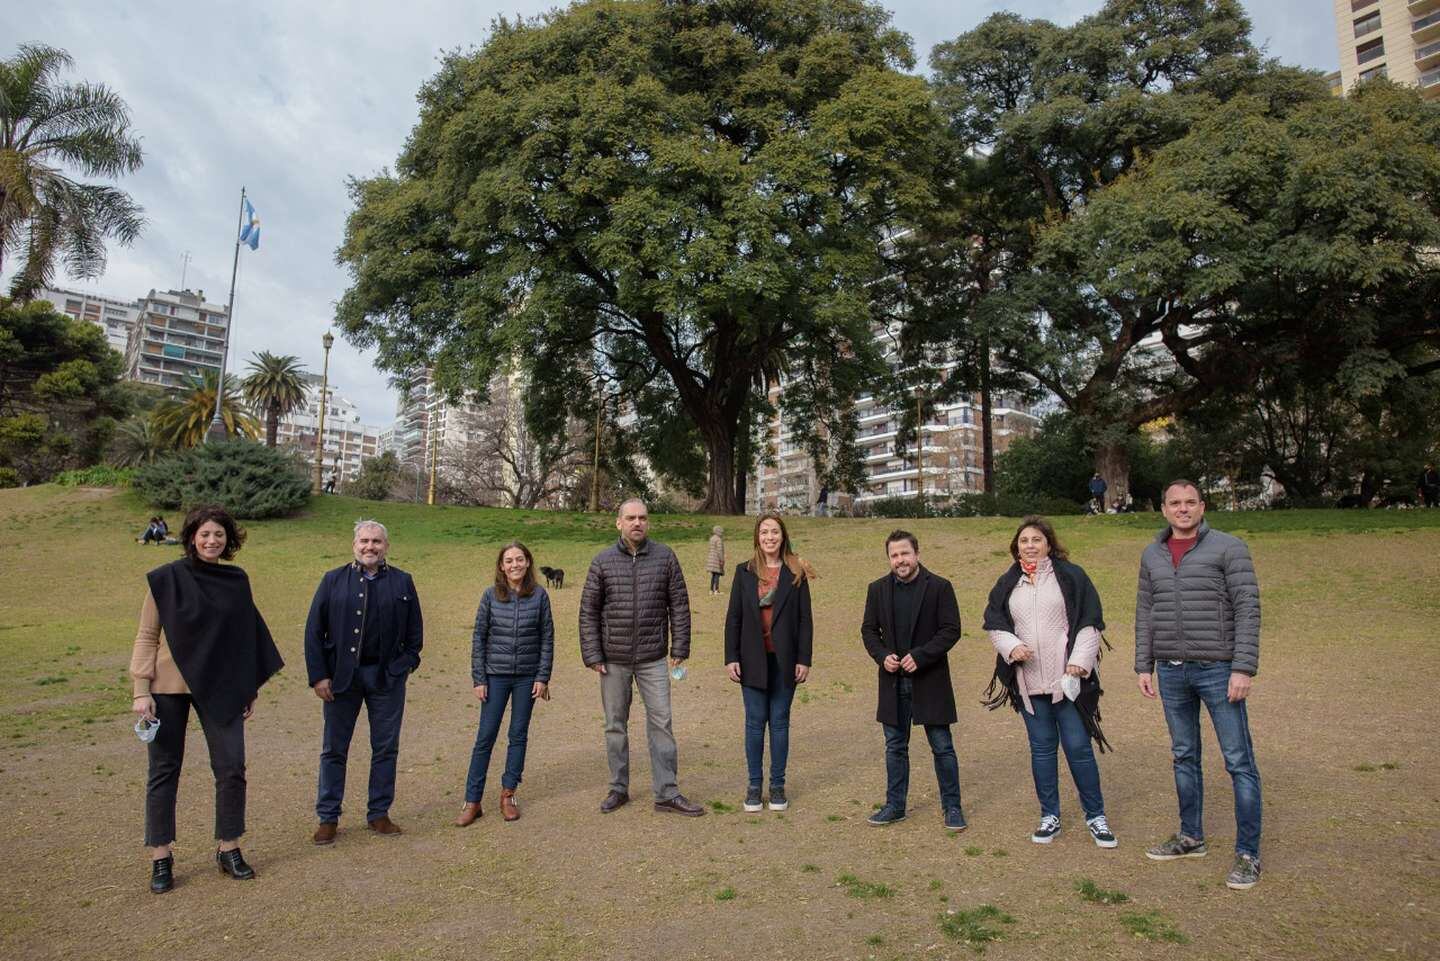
[1043, 526]
[197, 518]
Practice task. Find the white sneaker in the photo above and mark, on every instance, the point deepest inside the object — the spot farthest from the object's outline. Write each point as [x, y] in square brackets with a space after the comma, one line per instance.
[1100, 831]
[1049, 827]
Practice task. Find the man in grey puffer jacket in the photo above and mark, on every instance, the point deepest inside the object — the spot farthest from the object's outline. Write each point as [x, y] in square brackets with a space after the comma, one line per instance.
[634, 602]
[1197, 625]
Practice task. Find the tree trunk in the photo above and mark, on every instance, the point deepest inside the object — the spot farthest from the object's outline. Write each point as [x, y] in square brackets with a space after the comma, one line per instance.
[1112, 462]
[742, 459]
[987, 433]
[272, 425]
[720, 450]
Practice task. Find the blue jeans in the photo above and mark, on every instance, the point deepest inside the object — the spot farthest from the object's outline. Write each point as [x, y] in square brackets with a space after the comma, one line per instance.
[897, 754]
[514, 688]
[385, 707]
[770, 706]
[1052, 725]
[1183, 687]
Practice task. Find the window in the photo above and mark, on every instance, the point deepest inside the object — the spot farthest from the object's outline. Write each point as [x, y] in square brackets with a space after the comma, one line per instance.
[1367, 24]
[1372, 73]
[1361, 4]
[1373, 50]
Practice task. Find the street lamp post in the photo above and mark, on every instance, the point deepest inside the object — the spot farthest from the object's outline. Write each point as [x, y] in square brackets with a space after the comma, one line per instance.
[327, 340]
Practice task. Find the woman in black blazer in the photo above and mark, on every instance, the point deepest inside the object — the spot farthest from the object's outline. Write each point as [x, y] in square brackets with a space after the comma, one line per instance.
[768, 636]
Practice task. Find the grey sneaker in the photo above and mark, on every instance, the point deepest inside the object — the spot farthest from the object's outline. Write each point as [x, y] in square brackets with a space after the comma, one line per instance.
[1245, 874]
[886, 815]
[1100, 831]
[752, 800]
[1178, 846]
[777, 799]
[1049, 827]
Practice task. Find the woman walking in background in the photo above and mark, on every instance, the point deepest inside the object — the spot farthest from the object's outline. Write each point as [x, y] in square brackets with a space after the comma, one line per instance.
[511, 652]
[715, 558]
[201, 643]
[769, 633]
[1044, 619]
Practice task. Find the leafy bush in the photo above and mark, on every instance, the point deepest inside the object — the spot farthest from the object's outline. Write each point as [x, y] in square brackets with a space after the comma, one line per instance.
[248, 479]
[974, 505]
[377, 479]
[9, 477]
[100, 475]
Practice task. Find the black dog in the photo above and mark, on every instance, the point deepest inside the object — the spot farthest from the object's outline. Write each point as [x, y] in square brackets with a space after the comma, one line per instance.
[554, 577]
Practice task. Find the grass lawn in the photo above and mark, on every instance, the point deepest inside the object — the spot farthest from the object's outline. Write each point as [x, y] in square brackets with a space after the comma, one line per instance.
[1349, 669]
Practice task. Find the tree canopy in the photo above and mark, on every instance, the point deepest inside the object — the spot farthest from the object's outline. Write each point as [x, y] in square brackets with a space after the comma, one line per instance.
[688, 195]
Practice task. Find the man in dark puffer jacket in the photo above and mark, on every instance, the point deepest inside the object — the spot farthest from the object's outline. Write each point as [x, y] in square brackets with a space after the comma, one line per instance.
[634, 602]
[1197, 624]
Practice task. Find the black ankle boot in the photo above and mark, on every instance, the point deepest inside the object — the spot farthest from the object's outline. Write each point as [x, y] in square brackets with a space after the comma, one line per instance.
[233, 864]
[162, 874]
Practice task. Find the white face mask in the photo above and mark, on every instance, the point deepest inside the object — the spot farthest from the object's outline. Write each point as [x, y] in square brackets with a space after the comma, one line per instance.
[146, 729]
[1070, 686]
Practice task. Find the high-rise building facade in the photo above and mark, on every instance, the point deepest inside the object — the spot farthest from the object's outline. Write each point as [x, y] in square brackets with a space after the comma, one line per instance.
[115, 317]
[348, 442]
[1398, 39]
[177, 335]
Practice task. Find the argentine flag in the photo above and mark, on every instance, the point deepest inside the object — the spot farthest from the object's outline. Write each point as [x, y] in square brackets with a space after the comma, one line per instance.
[250, 233]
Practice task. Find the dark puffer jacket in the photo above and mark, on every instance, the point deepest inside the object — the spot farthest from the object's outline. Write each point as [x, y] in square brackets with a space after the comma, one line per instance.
[1206, 610]
[631, 603]
[514, 636]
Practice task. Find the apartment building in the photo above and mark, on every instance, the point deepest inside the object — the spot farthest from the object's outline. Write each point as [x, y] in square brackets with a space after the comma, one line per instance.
[177, 335]
[348, 441]
[1398, 39]
[113, 316]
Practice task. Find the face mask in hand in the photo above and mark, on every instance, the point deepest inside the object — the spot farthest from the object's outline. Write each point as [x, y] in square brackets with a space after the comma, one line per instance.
[146, 729]
[1070, 686]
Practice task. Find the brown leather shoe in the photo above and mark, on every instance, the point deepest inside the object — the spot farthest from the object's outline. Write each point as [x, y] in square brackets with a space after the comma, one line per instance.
[383, 825]
[507, 805]
[613, 800]
[469, 814]
[325, 833]
[679, 805]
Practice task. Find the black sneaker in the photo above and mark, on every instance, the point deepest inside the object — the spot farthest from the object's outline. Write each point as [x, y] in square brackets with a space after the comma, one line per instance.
[955, 820]
[753, 804]
[886, 815]
[1245, 874]
[1049, 827]
[777, 799]
[1100, 831]
[1177, 846]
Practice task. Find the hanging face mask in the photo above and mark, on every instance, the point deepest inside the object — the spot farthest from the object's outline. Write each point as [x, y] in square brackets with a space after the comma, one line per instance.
[1070, 686]
[147, 728]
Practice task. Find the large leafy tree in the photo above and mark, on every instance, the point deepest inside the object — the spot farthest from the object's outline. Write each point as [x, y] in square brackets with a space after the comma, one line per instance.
[60, 395]
[274, 387]
[683, 193]
[50, 132]
[183, 420]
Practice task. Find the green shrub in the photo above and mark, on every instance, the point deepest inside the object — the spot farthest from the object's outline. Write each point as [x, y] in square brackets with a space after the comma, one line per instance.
[101, 475]
[9, 477]
[974, 505]
[248, 479]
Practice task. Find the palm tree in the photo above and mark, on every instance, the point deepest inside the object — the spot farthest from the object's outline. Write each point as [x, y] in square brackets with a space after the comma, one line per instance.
[274, 387]
[137, 441]
[46, 129]
[182, 421]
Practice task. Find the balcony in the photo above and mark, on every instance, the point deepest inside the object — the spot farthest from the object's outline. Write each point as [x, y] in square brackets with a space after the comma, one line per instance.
[1428, 55]
[1429, 84]
[1418, 8]
[1425, 29]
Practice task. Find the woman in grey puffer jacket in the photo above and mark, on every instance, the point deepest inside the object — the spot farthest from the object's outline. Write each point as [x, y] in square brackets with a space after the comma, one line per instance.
[511, 652]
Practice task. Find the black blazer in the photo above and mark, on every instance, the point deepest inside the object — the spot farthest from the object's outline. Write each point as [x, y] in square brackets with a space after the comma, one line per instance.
[935, 630]
[792, 628]
[326, 656]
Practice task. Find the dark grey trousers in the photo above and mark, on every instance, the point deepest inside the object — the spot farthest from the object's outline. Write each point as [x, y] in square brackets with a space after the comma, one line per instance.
[167, 754]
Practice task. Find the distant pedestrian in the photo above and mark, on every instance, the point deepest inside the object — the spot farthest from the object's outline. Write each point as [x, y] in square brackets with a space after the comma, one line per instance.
[330, 484]
[1197, 627]
[822, 503]
[1429, 486]
[1097, 494]
[715, 558]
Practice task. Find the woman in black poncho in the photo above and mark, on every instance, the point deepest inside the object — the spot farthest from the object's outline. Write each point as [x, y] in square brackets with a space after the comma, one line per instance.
[201, 643]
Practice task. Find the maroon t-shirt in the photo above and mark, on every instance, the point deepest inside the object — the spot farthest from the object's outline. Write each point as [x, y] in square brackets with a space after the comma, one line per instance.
[1179, 547]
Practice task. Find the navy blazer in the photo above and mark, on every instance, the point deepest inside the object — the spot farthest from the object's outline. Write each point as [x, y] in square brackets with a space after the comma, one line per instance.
[328, 654]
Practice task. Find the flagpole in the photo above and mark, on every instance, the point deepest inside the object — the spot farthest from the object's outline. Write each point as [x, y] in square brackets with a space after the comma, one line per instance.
[217, 424]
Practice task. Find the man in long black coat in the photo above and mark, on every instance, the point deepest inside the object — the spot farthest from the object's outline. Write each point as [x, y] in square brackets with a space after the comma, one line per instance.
[911, 622]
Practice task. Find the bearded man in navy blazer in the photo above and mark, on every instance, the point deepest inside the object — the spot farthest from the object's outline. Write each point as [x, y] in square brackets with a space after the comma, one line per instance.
[362, 640]
[911, 622]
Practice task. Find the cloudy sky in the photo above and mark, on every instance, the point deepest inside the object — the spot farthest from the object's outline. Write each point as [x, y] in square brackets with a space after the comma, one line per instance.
[290, 98]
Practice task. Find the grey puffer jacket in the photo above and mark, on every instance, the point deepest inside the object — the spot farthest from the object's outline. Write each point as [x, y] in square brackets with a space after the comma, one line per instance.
[514, 636]
[632, 604]
[1206, 610]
